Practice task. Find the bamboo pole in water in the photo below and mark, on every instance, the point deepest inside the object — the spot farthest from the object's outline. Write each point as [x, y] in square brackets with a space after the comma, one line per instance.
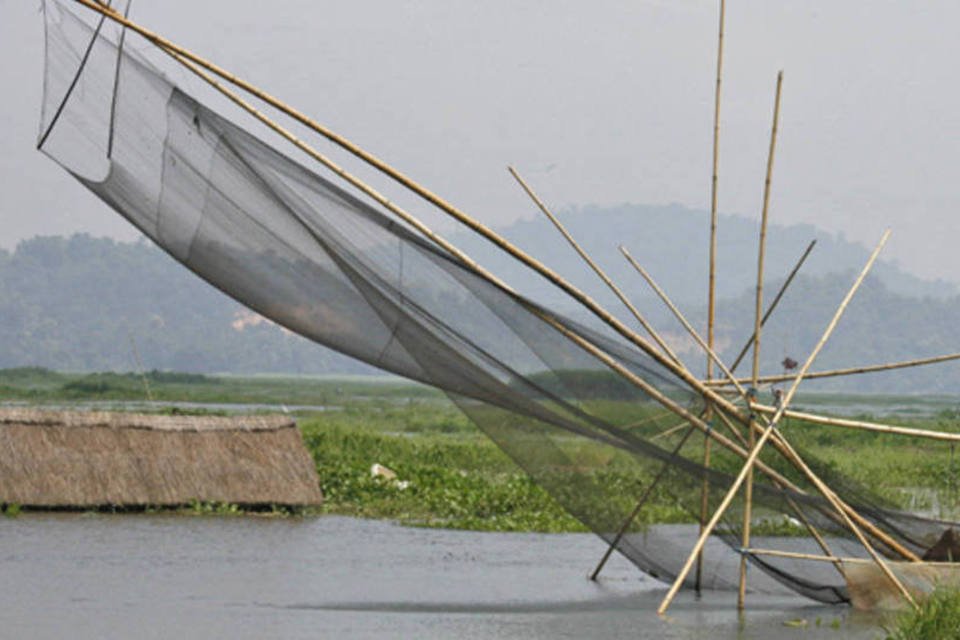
[728, 498]
[712, 274]
[758, 313]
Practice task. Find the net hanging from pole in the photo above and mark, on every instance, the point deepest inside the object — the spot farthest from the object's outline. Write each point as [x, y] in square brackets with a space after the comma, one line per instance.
[292, 244]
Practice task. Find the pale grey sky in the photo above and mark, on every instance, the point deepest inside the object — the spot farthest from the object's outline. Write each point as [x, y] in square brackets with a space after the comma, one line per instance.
[595, 102]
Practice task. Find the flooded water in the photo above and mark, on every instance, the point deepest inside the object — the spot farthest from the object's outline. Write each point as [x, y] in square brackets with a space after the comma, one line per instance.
[143, 576]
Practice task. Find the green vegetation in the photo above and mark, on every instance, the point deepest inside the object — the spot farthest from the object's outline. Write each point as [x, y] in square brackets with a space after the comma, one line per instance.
[451, 475]
[43, 386]
[938, 618]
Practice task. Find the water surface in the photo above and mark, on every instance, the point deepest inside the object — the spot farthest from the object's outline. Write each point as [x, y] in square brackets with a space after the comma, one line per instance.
[184, 577]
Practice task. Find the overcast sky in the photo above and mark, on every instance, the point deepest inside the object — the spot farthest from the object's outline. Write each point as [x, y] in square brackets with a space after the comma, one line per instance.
[594, 102]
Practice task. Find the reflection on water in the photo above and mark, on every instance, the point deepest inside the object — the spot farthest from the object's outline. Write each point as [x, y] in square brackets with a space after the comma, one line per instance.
[105, 576]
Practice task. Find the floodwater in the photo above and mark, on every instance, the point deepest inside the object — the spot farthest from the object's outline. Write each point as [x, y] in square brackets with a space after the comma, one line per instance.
[184, 577]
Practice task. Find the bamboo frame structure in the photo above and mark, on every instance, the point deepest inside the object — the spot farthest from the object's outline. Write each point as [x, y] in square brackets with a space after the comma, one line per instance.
[603, 276]
[766, 435]
[778, 441]
[714, 401]
[758, 312]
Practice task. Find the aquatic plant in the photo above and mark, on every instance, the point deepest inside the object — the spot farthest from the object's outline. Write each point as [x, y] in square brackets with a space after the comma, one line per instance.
[937, 618]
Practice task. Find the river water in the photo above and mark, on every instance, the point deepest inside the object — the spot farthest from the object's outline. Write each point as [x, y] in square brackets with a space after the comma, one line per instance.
[184, 577]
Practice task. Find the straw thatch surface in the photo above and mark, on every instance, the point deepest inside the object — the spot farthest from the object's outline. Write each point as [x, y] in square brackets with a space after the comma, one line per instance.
[81, 459]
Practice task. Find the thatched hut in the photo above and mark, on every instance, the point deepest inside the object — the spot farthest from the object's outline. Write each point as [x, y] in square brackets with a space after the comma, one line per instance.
[94, 459]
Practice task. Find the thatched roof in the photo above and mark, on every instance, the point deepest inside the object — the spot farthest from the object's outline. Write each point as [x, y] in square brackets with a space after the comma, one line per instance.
[87, 459]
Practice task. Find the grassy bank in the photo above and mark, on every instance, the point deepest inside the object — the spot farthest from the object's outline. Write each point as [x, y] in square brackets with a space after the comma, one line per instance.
[453, 476]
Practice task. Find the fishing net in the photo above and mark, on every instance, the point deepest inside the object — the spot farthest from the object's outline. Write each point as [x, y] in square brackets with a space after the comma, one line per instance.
[293, 244]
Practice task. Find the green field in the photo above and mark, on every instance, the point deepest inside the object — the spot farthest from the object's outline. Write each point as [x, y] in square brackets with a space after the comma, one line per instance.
[453, 475]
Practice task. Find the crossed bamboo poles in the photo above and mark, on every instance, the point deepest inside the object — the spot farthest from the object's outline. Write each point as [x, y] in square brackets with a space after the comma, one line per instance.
[727, 409]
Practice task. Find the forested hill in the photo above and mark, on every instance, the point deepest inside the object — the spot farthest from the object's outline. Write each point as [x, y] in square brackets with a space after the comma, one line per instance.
[75, 303]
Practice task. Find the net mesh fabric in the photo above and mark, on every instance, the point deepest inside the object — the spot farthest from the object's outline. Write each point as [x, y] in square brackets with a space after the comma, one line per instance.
[301, 250]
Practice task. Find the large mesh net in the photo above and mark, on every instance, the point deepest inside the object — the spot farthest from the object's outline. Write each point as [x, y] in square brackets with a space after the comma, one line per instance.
[298, 248]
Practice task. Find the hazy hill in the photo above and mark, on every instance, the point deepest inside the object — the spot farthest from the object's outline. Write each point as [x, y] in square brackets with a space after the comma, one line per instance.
[672, 243]
[74, 303]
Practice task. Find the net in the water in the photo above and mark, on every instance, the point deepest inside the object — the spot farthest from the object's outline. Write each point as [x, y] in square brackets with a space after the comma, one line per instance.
[297, 247]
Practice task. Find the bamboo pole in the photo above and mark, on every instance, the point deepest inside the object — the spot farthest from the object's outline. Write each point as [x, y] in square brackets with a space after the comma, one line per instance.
[766, 435]
[758, 313]
[595, 267]
[832, 373]
[864, 425]
[803, 556]
[773, 305]
[668, 432]
[712, 275]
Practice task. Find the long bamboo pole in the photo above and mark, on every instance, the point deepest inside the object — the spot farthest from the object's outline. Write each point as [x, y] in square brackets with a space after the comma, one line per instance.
[803, 556]
[712, 273]
[594, 266]
[832, 373]
[757, 324]
[864, 425]
[770, 309]
[728, 498]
